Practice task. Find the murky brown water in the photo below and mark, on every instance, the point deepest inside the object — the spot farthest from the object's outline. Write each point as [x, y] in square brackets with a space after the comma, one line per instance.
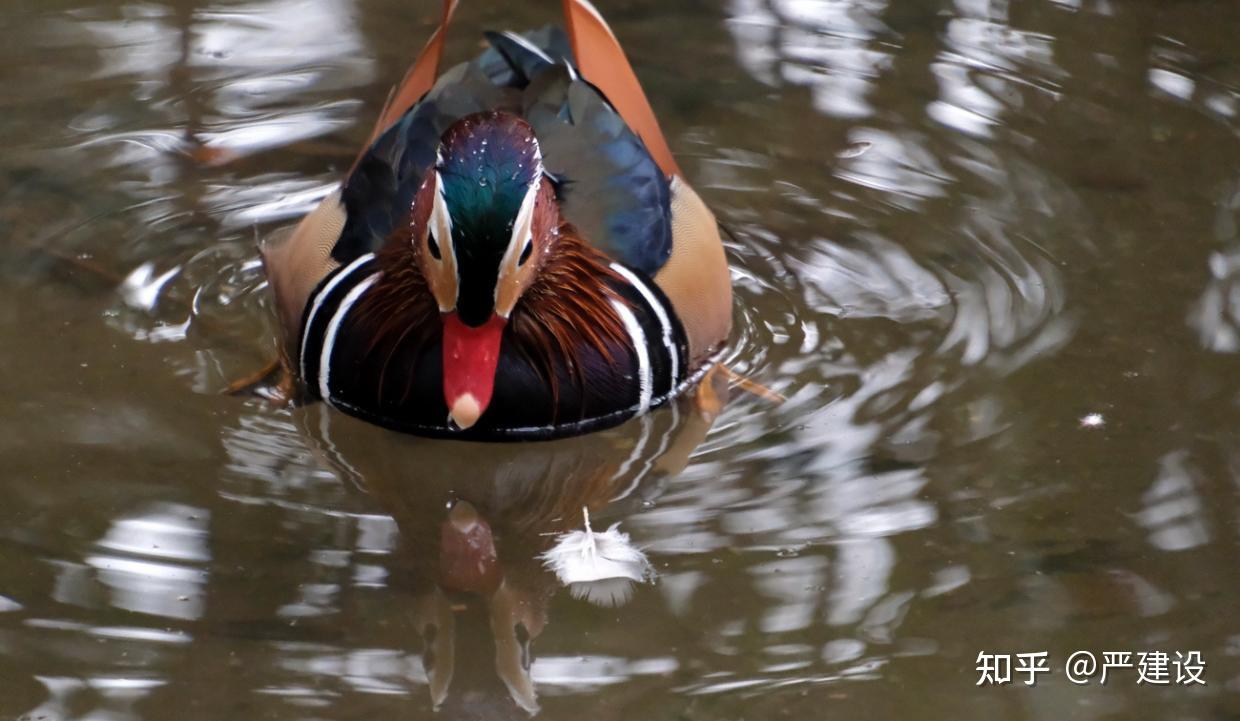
[990, 251]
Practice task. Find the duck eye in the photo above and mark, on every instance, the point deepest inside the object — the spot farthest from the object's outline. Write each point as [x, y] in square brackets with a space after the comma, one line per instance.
[526, 252]
[433, 246]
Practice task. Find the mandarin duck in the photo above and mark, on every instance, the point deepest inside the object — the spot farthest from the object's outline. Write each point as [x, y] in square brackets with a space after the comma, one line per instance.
[515, 255]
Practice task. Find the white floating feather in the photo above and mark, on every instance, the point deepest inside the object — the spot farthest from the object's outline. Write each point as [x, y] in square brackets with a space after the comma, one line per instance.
[581, 559]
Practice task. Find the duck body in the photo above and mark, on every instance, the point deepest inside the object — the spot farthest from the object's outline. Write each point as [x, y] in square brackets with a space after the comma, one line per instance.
[514, 256]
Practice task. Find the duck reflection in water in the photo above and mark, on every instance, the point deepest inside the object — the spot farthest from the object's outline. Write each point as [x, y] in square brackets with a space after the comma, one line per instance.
[481, 524]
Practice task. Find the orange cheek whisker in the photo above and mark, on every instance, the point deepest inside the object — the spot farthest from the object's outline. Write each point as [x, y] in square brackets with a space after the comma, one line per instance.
[566, 309]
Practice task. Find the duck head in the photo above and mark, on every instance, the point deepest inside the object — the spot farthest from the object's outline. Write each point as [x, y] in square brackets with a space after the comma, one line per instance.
[490, 220]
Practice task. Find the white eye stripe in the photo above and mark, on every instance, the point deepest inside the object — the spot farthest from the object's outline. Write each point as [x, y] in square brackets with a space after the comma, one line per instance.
[439, 227]
[523, 226]
[441, 220]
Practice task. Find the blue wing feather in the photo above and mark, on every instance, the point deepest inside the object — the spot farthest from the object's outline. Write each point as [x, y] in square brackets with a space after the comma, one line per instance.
[611, 188]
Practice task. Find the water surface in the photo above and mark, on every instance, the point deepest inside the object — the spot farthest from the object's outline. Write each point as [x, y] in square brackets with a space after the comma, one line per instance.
[989, 251]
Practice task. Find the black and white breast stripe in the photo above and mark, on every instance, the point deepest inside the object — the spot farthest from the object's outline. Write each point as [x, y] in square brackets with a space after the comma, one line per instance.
[654, 371]
[657, 337]
[329, 304]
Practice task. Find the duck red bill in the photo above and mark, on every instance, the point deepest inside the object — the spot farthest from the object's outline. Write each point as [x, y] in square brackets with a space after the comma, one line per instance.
[470, 356]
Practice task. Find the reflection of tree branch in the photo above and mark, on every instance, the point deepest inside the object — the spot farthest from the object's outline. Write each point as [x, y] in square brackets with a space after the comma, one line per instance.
[42, 246]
